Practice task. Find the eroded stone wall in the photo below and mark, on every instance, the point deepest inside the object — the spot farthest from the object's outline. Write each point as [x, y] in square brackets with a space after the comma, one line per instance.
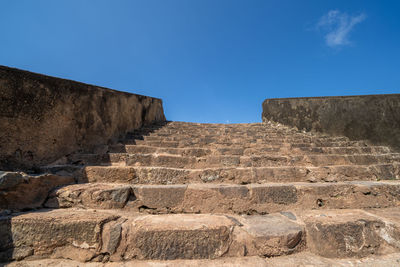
[43, 118]
[369, 117]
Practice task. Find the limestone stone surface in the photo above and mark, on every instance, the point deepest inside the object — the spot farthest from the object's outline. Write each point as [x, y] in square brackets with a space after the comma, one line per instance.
[350, 233]
[19, 191]
[45, 118]
[372, 117]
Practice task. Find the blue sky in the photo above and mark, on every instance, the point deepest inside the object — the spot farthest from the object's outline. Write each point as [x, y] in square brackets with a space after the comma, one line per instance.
[209, 60]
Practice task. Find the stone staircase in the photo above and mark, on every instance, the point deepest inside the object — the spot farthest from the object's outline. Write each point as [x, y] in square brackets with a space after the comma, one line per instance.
[190, 194]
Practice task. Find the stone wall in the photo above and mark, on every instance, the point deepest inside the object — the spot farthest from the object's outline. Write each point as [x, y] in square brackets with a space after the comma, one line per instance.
[375, 118]
[43, 118]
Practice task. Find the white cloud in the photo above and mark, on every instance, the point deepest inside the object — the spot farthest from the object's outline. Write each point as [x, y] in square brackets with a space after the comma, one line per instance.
[338, 26]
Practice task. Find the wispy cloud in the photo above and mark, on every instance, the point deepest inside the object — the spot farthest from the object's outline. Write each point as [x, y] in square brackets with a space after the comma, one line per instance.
[337, 27]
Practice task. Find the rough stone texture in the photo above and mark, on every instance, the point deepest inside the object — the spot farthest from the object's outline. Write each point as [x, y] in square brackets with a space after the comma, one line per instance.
[109, 196]
[99, 235]
[223, 198]
[168, 237]
[44, 118]
[19, 191]
[224, 262]
[372, 117]
[350, 233]
[267, 235]
[68, 234]
[271, 191]
[159, 197]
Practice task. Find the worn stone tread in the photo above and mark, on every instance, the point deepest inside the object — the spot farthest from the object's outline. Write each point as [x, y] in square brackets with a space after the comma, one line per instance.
[227, 198]
[223, 262]
[243, 149]
[87, 234]
[263, 160]
[97, 235]
[213, 143]
[352, 232]
[244, 175]
[246, 138]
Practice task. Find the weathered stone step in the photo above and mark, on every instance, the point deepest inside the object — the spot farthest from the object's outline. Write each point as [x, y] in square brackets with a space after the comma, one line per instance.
[212, 133]
[98, 235]
[165, 175]
[225, 198]
[219, 262]
[246, 151]
[198, 151]
[346, 150]
[193, 125]
[204, 134]
[245, 131]
[215, 161]
[212, 143]
[352, 233]
[143, 149]
[176, 161]
[241, 138]
[244, 138]
[20, 191]
[297, 259]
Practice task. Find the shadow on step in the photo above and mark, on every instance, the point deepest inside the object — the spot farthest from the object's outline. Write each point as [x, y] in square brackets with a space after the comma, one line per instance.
[107, 154]
[6, 240]
[137, 134]
[15, 238]
[21, 192]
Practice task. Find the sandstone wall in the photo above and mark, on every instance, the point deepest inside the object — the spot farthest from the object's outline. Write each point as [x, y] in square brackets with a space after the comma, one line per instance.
[43, 118]
[369, 117]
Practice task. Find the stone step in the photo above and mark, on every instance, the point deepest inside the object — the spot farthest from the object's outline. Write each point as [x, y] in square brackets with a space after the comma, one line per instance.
[192, 133]
[198, 151]
[176, 161]
[242, 134]
[352, 233]
[215, 161]
[219, 262]
[210, 131]
[193, 125]
[226, 198]
[346, 150]
[101, 236]
[245, 151]
[235, 175]
[243, 138]
[231, 140]
[143, 149]
[20, 191]
[213, 143]
[211, 134]
[297, 259]
[98, 235]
